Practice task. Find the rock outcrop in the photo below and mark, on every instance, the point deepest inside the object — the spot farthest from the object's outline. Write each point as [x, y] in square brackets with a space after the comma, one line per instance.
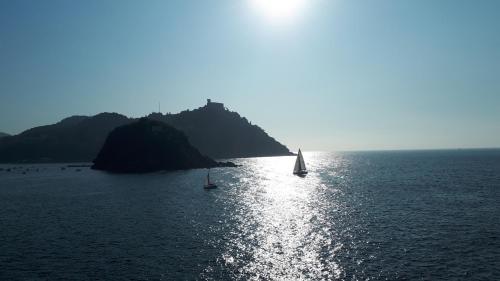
[147, 146]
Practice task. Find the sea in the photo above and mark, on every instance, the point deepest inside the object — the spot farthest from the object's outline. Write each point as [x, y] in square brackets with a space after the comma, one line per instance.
[387, 215]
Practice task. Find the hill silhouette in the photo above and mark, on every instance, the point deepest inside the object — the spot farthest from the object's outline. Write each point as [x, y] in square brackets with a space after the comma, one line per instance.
[147, 146]
[74, 139]
[2, 134]
[220, 133]
[215, 131]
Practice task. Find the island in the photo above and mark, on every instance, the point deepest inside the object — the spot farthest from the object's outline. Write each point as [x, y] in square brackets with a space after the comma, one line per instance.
[147, 146]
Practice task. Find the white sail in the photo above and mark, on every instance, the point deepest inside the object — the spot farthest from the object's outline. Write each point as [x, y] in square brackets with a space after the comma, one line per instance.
[302, 163]
[296, 169]
[208, 183]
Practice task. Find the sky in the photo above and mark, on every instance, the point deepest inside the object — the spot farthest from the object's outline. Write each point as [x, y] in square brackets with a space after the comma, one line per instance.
[320, 75]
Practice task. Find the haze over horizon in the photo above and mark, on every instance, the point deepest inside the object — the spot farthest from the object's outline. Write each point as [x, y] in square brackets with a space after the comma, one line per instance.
[321, 75]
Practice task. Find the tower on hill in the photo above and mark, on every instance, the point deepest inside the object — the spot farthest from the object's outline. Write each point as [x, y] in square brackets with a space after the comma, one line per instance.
[215, 105]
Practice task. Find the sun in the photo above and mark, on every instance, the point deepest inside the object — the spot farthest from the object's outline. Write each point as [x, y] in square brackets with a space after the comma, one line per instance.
[279, 11]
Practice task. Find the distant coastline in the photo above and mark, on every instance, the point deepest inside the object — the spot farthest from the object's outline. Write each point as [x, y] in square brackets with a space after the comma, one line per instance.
[419, 149]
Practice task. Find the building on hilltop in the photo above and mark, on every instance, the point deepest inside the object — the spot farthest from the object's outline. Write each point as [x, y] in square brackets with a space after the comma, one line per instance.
[215, 105]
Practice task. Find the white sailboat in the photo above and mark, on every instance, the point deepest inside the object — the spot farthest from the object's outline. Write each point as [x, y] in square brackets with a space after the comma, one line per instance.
[300, 165]
[208, 184]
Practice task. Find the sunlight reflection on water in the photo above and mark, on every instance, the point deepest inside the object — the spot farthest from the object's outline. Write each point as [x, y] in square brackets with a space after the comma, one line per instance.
[282, 232]
[355, 216]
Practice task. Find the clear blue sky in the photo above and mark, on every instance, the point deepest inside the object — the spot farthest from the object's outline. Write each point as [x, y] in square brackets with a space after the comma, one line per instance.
[343, 75]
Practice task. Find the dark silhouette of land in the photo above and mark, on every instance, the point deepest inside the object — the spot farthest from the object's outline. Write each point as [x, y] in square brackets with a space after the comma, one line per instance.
[2, 134]
[74, 139]
[220, 133]
[147, 146]
[212, 129]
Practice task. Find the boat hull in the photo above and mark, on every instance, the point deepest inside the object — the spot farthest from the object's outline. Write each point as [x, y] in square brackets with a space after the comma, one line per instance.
[210, 186]
[300, 173]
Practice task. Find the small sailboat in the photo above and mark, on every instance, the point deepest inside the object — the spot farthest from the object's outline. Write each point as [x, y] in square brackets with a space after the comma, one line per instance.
[300, 166]
[208, 184]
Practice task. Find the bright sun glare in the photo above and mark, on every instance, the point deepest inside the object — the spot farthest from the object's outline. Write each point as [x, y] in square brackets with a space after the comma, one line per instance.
[279, 11]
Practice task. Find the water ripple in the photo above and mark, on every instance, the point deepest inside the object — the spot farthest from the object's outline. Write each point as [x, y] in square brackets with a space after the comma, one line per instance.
[356, 216]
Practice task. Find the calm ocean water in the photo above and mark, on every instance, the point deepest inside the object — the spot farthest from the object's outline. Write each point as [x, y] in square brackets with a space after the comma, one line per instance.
[421, 215]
